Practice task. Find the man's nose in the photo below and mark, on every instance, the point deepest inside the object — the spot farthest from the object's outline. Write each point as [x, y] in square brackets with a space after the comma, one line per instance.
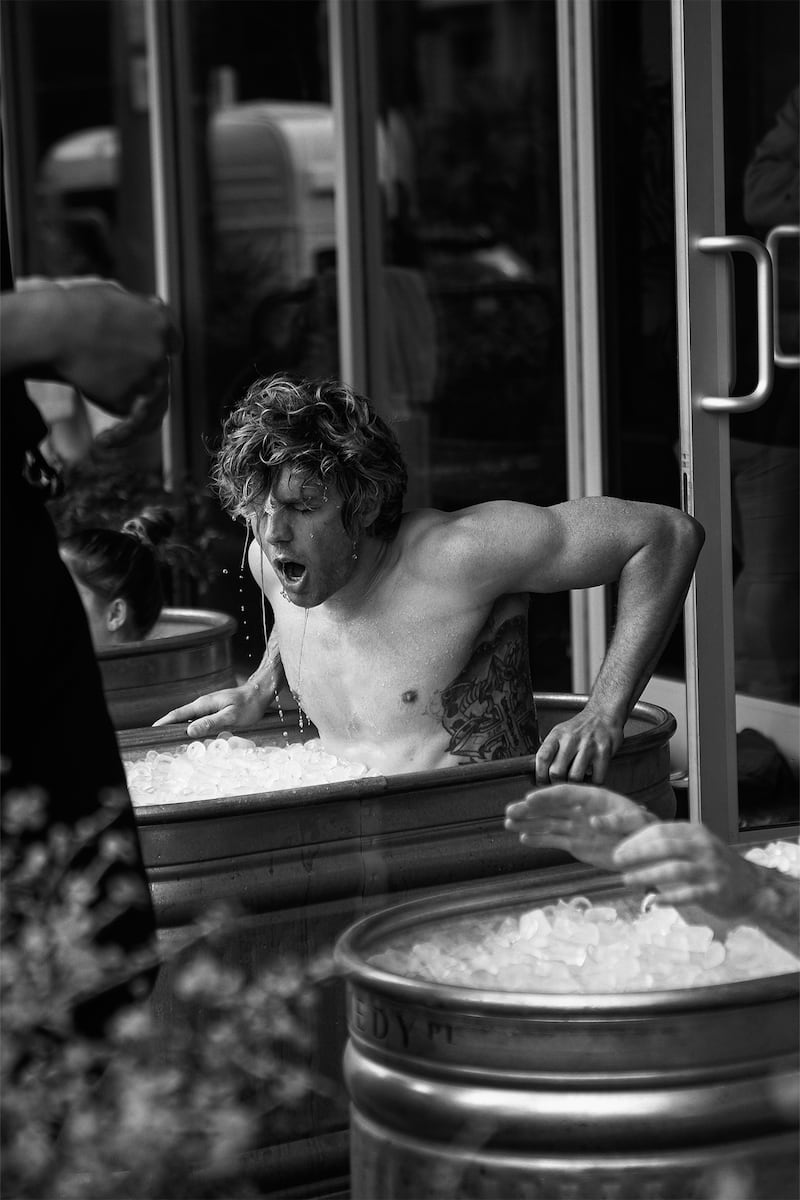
[276, 527]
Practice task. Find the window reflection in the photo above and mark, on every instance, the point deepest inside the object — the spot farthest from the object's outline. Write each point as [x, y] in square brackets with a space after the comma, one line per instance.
[761, 140]
[468, 165]
[638, 262]
[764, 443]
[468, 172]
[255, 198]
[86, 141]
[262, 130]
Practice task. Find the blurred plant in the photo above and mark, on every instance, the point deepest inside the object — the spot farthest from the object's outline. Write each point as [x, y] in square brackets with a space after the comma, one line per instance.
[138, 1111]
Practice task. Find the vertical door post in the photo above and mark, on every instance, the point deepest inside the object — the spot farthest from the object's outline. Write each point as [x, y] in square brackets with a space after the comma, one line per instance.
[581, 306]
[705, 368]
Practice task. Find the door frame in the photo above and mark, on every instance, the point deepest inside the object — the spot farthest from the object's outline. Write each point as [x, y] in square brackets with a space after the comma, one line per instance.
[706, 372]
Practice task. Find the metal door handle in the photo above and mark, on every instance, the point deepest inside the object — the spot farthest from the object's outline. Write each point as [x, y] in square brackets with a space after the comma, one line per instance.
[773, 237]
[727, 244]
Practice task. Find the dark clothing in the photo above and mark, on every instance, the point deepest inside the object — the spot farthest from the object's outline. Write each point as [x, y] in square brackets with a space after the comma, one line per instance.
[54, 725]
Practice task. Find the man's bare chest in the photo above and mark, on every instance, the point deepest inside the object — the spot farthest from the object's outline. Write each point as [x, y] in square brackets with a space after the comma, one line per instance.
[451, 667]
[378, 655]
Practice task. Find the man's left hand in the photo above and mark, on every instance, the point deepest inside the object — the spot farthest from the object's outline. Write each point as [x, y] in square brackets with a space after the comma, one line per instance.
[580, 747]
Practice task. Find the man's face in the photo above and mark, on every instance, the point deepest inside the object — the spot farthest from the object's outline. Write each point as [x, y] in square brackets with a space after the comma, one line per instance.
[301, 532]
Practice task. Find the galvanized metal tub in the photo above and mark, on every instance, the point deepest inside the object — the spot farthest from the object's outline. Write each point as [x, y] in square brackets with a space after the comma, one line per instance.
[189, 653]
[394, 831]
[304, 864]
[672, 1095]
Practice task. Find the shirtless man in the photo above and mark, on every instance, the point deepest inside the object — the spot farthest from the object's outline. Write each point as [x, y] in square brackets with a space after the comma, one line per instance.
[404, 636]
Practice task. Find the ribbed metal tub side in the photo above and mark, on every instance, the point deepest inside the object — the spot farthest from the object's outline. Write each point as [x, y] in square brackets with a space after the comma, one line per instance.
[189, 654]
[545, 1095]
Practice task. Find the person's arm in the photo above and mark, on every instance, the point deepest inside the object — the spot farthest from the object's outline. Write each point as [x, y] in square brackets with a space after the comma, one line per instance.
[687, 864]
[648, 549]
[233, 708]
[109, 343]
[588, 822]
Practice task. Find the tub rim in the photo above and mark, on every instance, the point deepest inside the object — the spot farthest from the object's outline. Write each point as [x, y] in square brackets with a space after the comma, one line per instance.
[478, 1002]
[662, 726]
[217, 626]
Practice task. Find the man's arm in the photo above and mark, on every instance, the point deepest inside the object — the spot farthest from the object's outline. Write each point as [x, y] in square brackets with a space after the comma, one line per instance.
[688, 864]
[233, 708]
[655, 568]
[647, 549]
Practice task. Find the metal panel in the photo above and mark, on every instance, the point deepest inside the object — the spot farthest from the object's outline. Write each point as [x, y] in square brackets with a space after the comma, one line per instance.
[581, 317]
[159, 173]
[175, 215]
[704, 348]
[20, 144]
[354, 91]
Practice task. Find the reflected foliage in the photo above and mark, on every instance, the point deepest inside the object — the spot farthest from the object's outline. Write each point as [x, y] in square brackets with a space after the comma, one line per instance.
[133, 1112]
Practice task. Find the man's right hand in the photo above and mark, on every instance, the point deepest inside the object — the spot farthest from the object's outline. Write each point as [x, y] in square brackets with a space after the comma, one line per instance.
[230, 708]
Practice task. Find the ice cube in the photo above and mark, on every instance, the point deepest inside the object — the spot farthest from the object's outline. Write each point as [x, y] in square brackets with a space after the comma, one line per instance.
[698, 937]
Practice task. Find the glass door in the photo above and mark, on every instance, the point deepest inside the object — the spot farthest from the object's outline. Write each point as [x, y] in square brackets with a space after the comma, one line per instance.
[697, 112]
[735, 133]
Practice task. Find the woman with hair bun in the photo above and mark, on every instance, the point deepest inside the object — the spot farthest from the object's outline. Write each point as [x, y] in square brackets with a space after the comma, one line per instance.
[118, 575]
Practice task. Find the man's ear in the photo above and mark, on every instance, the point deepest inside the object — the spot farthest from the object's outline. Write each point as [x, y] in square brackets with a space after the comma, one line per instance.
[370, 515]
[116, 614]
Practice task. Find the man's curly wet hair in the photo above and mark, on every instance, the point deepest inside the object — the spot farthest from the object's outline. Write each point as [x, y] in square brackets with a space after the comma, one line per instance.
[323, 430]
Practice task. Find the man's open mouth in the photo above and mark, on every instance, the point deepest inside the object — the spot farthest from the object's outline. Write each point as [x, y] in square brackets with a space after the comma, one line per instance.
[291, 572]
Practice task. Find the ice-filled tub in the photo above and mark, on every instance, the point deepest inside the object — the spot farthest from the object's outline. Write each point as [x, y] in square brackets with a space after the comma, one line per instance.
[306, 862]
[463, 1088]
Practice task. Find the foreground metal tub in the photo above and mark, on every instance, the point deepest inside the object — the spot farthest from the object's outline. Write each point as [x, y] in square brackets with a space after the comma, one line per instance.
[189, 653]
[672, 1095]
[302, 865]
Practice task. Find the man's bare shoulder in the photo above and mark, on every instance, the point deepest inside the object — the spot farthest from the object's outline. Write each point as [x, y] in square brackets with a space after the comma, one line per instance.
[478, 527]
[466, 522]
[475, 539]
[431, 533]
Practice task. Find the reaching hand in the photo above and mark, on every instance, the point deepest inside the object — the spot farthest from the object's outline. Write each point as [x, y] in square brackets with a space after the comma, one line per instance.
[230, 708]
[588, 822]
[584, 743]
[687, 864]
